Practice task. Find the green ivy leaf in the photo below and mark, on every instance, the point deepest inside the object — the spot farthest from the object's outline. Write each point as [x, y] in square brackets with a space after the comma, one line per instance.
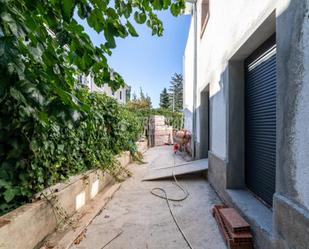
[112, 13]
[166, 4]
[60, 147]
[68, 7]
[158, 4]
[131, 29]
[175, 9]
[140, 17]
[83, 10]
[17, 95]
[95, 20]
[4, 183]
[9, 194]
[111, 43]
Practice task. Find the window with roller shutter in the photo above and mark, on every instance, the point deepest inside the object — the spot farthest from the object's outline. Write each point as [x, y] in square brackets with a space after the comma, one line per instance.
[260, 121]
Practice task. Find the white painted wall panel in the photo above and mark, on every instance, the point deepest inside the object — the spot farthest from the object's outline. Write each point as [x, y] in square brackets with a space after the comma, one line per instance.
[230, 24]
[188, 69]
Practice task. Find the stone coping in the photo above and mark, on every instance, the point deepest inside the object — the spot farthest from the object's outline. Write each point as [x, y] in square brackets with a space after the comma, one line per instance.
[26, 226]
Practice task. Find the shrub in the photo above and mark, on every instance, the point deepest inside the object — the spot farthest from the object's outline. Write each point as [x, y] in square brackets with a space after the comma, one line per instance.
[174, 119]
[36, 154]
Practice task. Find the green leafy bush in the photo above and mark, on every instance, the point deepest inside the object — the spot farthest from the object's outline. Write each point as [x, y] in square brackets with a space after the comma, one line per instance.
[174, 119]
[47, 129]
[38, 153]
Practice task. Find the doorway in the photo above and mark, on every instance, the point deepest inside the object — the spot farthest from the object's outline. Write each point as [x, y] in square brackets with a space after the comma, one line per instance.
[204, 124]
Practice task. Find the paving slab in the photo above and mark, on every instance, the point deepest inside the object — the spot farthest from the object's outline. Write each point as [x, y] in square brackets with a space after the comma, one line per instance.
[143, 220]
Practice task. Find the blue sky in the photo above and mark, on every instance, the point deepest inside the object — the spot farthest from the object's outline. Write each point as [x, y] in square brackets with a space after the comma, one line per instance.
[149, 61]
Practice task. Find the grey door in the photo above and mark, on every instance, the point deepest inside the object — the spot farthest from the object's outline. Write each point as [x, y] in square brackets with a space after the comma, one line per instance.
[260, 121]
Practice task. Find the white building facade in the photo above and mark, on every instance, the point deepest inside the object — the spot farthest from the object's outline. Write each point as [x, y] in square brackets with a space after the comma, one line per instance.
[246, 101]
[119, 95]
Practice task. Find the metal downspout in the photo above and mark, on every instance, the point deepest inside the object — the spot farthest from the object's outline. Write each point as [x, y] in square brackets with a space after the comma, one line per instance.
[194, 128]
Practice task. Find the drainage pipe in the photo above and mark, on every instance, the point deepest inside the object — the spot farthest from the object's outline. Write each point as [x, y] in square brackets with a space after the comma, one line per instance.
[194, 128]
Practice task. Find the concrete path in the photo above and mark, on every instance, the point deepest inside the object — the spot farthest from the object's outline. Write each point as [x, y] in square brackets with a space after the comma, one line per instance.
[144, 220]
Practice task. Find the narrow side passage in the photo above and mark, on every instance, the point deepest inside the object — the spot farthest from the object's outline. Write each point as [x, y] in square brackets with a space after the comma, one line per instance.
[144, 221]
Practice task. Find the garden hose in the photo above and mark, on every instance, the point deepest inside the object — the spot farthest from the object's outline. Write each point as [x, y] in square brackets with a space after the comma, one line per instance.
[167, 199]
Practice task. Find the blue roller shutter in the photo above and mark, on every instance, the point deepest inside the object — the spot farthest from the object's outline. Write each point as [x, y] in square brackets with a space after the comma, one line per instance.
[260, 121]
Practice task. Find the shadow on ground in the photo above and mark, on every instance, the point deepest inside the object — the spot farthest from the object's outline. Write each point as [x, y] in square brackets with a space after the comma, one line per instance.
[144, 220]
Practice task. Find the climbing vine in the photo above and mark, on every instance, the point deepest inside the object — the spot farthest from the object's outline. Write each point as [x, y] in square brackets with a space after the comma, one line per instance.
[43, 47]
[174, 119]
[49, 152]
[50, 129]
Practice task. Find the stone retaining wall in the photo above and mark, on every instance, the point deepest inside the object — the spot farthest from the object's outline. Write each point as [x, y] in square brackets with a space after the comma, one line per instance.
[29, 224]
[142, 146]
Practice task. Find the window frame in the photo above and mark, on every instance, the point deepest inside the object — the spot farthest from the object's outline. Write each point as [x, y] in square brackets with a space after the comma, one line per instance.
[205, 6]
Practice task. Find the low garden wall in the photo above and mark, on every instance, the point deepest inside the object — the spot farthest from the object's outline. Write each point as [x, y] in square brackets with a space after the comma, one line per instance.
[29, 224]
[142, 146]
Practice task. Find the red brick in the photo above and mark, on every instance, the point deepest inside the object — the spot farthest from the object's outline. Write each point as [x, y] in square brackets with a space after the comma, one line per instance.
[237, 240]
[233, 221]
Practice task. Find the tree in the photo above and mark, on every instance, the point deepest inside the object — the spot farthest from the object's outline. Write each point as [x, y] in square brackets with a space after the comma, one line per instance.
[164, 99]
[43, 47]
[143, 102]
[148, 101]
[42, 50]
[176, 93]
[145, 99]
[141, 94]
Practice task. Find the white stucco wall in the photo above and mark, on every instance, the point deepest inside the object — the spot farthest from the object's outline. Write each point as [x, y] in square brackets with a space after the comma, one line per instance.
[188, 61]
[230, 24]
[119, 95]
[301, 131]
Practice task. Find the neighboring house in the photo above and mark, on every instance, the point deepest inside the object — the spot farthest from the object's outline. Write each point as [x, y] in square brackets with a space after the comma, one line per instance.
[246, 100]
[119, 95]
